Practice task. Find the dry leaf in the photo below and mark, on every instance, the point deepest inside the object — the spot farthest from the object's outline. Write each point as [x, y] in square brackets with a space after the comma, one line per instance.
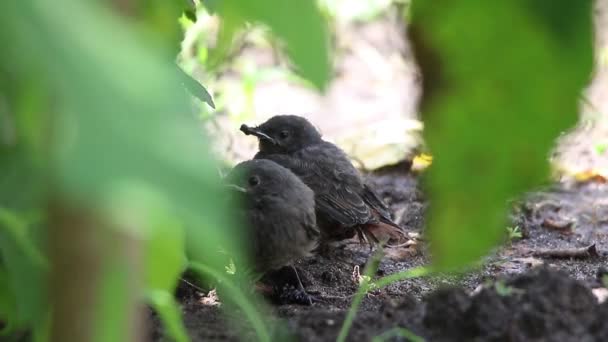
[401, 253]
[421, 162]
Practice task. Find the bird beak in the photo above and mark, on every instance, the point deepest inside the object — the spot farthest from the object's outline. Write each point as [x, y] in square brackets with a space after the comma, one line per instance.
[256, 132]
[236, 188]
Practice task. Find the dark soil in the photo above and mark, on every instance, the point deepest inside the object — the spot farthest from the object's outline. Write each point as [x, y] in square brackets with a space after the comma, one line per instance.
[520, 294]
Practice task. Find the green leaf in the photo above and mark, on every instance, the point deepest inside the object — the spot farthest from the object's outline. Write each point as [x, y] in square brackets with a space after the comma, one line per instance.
[195, 88]
[113, 302]
[298, 23]
[501, 81]
[230, 25]
[165, 252]
[237, 296]
[8, 307]
[120, 121]
[169, 311]
[24, 274]
[398, 332]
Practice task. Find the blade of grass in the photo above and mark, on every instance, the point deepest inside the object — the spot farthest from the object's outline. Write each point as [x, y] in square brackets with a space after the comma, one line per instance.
[238, 297]
[365, 287]
[398, 332]
[168, 309]
[415, 272]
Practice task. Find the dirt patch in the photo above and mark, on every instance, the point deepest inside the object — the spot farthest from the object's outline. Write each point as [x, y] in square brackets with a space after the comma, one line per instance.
[516, 295]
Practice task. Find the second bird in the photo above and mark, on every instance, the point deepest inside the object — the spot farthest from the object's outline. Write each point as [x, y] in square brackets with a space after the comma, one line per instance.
[345, 205]
[278, 209]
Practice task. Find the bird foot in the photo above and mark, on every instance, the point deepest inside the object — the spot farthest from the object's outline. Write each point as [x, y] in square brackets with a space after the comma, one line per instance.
[289, 294]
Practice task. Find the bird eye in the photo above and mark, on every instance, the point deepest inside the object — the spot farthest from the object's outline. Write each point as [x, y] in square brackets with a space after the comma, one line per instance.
[283, 134]
[253, 181]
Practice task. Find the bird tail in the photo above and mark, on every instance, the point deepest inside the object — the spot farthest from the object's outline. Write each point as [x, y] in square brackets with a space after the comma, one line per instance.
[385, 232]
[390, 223]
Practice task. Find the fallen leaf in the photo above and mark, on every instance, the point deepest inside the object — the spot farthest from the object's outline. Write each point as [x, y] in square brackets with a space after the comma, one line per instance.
[401, 253]
[590, 176]
[421, 162]
[564, 227]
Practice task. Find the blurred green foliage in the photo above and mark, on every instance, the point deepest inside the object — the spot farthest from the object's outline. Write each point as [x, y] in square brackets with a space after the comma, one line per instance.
[502, 79]
[299, 24]
[103, 121]
[93, 113]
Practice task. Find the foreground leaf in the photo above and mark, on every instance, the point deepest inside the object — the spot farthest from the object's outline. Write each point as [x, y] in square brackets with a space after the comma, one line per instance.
[298, 23]
[501, 81]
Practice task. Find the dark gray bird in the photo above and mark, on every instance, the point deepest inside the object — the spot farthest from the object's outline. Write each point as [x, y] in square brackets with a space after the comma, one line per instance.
[279, 211]
[345, 205]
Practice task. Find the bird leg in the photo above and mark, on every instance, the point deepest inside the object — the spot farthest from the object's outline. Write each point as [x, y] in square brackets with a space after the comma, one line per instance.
[288, 287]
[301, 286]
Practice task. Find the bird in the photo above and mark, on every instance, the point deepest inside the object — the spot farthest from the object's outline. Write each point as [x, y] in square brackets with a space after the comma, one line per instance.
[278, 210]
[345, 205]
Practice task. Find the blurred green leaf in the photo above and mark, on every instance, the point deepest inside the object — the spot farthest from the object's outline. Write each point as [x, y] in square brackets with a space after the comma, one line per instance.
[8, 309]
[165, 256]
[132, 128]
[501, 81]
[120, 119]
[391, 334]
[24, 270]
[298, 23]
[113, 305]
[231, 23]
[196, 89]
[168, 309]
[190, 14]
[21, 183]
[236, 295]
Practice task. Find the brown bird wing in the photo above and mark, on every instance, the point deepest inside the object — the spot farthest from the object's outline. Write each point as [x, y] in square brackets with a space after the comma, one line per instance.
[344, 206]
[336, 192]
[372, 199]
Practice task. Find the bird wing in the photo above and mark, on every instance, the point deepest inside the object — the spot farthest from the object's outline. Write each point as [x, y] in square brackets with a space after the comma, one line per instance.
[336, 183]
[344, 206]
[371, 198]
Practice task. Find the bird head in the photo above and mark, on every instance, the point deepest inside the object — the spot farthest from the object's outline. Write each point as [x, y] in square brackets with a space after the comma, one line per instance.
[259, 177]
[284, 134]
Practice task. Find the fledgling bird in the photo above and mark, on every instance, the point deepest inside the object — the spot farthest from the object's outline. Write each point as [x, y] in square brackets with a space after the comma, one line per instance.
[279, 211]
[345, 205]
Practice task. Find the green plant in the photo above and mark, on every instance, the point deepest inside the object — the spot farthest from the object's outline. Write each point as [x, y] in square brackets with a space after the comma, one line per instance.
[502, 289]
[514, 233]
[494, 100]
[398, 332]
[99, 142]
[366, 285]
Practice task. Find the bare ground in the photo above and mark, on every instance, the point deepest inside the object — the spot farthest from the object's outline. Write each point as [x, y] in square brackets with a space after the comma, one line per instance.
[526, 289]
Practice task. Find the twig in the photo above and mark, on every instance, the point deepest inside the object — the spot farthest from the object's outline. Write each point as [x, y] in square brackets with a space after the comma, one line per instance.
[192, 285]
[568, 253]
[564, 227]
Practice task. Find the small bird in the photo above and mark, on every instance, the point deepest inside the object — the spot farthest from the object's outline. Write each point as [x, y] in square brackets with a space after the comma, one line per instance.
[279, 210]
[345, 205]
